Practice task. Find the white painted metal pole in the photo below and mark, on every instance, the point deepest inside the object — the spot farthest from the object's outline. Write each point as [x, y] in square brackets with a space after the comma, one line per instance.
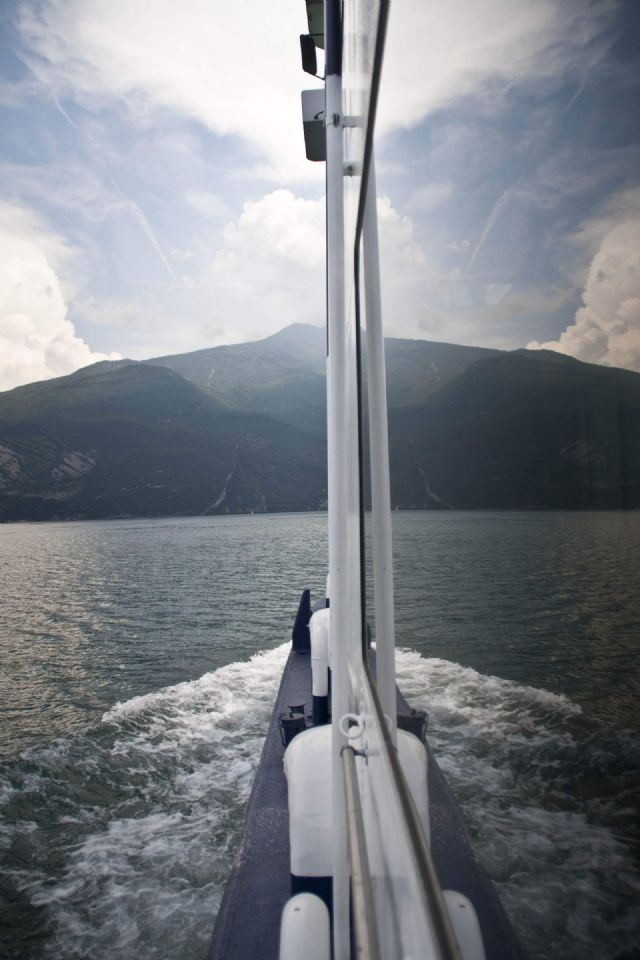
[379, 457]
[338, 488]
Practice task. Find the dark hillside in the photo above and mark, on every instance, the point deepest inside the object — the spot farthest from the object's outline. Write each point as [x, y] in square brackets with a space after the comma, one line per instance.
[137, 440]
[241, 428]
[284, 375]
[523, 430]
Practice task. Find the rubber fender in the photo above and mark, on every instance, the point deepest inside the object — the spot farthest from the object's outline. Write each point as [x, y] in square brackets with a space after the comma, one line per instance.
[307, 766]
[320, 631]
[304, 929]
[466, 925]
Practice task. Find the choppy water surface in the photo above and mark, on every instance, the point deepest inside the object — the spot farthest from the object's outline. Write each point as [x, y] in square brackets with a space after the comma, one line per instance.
[139, 664]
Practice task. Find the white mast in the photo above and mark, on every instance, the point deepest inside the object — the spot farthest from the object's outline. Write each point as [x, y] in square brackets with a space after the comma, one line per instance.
[339, 454]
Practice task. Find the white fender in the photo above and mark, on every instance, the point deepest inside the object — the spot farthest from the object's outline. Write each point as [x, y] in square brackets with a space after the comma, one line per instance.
[307, 766]
[319, 630]
[304, 929]
[465, 925]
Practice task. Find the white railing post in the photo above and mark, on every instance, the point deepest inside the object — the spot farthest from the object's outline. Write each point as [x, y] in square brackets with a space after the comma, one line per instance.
[338, 454]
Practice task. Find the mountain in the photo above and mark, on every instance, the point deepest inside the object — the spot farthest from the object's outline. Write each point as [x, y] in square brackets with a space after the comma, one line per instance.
[128, 439]
[241, 428]
[284, 374]
[529, 429]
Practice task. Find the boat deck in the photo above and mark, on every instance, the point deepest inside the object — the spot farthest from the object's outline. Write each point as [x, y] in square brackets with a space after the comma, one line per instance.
[248, 922]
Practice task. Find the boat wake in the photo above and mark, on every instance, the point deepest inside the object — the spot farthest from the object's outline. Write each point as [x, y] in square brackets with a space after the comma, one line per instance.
[549, 796]
[117, 841]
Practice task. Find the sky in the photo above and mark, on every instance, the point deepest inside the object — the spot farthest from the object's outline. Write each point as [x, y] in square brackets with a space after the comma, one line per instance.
[155, 197]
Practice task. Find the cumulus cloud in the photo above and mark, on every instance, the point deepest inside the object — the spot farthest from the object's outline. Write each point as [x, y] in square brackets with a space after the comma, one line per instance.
[37, 340]
[266, 272]
[409, 281]
[269, 271]
[606, 328]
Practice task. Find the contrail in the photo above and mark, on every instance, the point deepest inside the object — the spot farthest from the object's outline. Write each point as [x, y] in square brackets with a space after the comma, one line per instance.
[492, 219]
[494, 216]
[64, 113]
[575, 96]
[145, 226]
[130, 204]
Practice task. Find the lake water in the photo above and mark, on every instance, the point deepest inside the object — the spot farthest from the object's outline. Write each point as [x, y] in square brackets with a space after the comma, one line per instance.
[140, 660]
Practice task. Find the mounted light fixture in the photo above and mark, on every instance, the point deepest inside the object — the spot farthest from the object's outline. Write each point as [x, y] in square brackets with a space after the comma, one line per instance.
[315, 19]
[313, 124]
[308, 51]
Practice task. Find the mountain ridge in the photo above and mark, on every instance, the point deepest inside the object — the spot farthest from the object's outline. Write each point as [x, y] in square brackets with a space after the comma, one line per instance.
[470, 428]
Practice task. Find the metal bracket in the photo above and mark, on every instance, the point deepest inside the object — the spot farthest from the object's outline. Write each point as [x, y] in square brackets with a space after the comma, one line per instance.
[356, 753]
[338, 120]
[351, 726]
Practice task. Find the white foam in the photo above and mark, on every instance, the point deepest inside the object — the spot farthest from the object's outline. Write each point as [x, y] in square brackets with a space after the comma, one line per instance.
[6, 792]
[221, 689]
[129, 830]
[147, 816]
[510, 753]
[460, 686]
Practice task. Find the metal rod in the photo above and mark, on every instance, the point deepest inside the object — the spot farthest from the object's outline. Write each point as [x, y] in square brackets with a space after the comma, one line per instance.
[379, 454]
[365, 930]
[434, 903]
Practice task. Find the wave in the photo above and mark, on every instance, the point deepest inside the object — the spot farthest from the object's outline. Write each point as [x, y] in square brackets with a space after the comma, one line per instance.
[117, 841]
[548, 795]
[133, 825]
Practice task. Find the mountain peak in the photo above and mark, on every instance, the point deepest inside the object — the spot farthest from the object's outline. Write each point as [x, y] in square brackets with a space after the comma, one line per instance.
[298, 333]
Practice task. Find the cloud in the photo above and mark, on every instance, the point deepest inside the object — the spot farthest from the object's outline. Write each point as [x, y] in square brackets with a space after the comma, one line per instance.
[234, 65]
[269, 271]
[585, 240]
[265, 271]
[37, 340]
[431, 196]
[69, 185]
[606, 328]
[84, 193]
[209, 205]
[408, 279]
[441, 51]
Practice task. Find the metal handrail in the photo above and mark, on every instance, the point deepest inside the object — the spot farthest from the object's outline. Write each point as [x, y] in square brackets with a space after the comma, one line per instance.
[365, 930]
[431, 889]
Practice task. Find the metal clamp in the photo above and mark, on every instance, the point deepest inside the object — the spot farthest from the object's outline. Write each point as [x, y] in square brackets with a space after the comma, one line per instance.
[339, 120]
[352, 168]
